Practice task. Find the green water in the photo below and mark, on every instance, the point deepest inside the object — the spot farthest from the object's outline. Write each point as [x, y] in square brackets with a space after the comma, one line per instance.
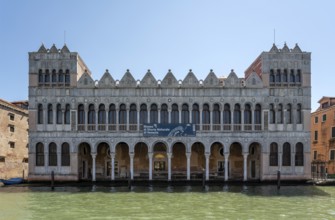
[228, 202]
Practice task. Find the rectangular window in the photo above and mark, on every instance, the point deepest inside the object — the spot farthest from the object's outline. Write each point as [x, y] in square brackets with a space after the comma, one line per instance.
[333, 132]
[315, 135]
[25, 160]
[324, 117]
[2, 159]
[316, 120]
[332, 155]
[11, 128]
[315, 154]
[11, 116]
[12, 144]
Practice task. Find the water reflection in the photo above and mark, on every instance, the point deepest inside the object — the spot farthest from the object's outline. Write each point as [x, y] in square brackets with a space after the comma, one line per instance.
[173, 202]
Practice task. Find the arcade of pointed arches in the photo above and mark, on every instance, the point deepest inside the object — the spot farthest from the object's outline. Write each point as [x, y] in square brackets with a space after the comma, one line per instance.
[164, 161]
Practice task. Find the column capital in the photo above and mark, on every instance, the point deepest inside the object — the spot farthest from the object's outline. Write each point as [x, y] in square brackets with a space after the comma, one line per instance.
[150, 154]
[188, 155]
[169, 155]
[131, 154]
[245, 155]
[93, 155]
[207, 155]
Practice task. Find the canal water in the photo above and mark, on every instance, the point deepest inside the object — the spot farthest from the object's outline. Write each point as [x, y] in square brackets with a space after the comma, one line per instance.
[187, 202]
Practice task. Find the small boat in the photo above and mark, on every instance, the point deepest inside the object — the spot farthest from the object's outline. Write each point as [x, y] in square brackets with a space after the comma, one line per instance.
[12, 181]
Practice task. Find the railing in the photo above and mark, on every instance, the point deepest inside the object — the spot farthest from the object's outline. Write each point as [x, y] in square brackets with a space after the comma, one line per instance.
[216, 127]
[237, 127]
[135, 127]
[101, 127]
[206, 127]
[248, 127]
[227, 127]
[112, 127]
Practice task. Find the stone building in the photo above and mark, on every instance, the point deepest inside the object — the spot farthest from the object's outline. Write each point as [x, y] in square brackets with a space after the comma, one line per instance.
[13, 140]
[323, 137]
[227, 128]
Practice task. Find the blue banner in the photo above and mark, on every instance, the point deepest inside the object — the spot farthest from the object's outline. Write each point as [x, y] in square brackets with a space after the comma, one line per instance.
[169, 130]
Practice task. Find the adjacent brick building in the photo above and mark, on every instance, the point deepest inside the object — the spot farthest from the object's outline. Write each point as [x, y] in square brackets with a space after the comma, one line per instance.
[323, 137]
[13, 139]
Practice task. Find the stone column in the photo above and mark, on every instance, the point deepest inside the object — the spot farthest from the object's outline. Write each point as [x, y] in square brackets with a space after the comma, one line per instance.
[179, 114]
[46, 156]
[127, 121]
[211, 119]
[226, 160]
[207, 165]
[85, 117]
[159, 114]
[113, 166]
[169, 115]
[107, 117]
[117, 123]
[242, 118]
[293, 161]
[280, 160]
[188, 158]
[93, 164]
[96, 118]
[138, 120]
[232, 120]
[169, 155]
[148, 115]
[245, 160]
[150, 165]
[131, 155]
[200, 117]
[59, 157]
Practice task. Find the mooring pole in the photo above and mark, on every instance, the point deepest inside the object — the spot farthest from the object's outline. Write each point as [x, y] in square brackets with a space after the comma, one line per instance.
[52, 180]
[129, 180]
[203, 178]
[278, 179]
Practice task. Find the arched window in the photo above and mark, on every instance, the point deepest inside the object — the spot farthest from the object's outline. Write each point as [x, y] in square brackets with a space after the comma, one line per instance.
[60, 76]
[285, 76]
[50, 114]
[299, 114]
[289, 114]
[195, 114]
[258, 114]
[91, 114]
[54, 77]
[40, 76]
[81, 114]
[143, 114]
[226, 114]
[153, 114]
[39, 154]
[272, 114]
[299, 154]
[102, 114]
[40, 114]
[175, 114]
[237, 114]
[67, 114]
[280, 114]
[164, 114]
[133, 114]
[185, 114]
[67, 76]
[112, 114]
[52, 154]
[123, 115]
[206, 115]
[272, 76]
[273, 154]
[65, 154]
[292, 76]
[216, 114]
[278, 76]
[47, 76]
[59, 114]
[247, 114]
[286, 154]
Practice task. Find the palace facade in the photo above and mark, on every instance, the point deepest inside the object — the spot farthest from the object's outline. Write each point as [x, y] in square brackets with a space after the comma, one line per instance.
[224, 128]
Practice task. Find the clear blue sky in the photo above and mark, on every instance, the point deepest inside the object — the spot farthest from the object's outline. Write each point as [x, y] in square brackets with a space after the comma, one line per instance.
[161, 35]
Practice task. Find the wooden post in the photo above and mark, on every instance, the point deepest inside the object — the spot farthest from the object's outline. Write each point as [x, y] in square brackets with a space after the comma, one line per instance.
[278, 179]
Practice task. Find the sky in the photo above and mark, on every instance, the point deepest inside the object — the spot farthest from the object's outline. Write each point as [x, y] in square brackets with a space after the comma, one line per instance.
[161, 35]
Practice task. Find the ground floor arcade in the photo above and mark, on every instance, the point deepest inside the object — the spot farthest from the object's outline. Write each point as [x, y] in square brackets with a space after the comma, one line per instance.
[167, 160]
